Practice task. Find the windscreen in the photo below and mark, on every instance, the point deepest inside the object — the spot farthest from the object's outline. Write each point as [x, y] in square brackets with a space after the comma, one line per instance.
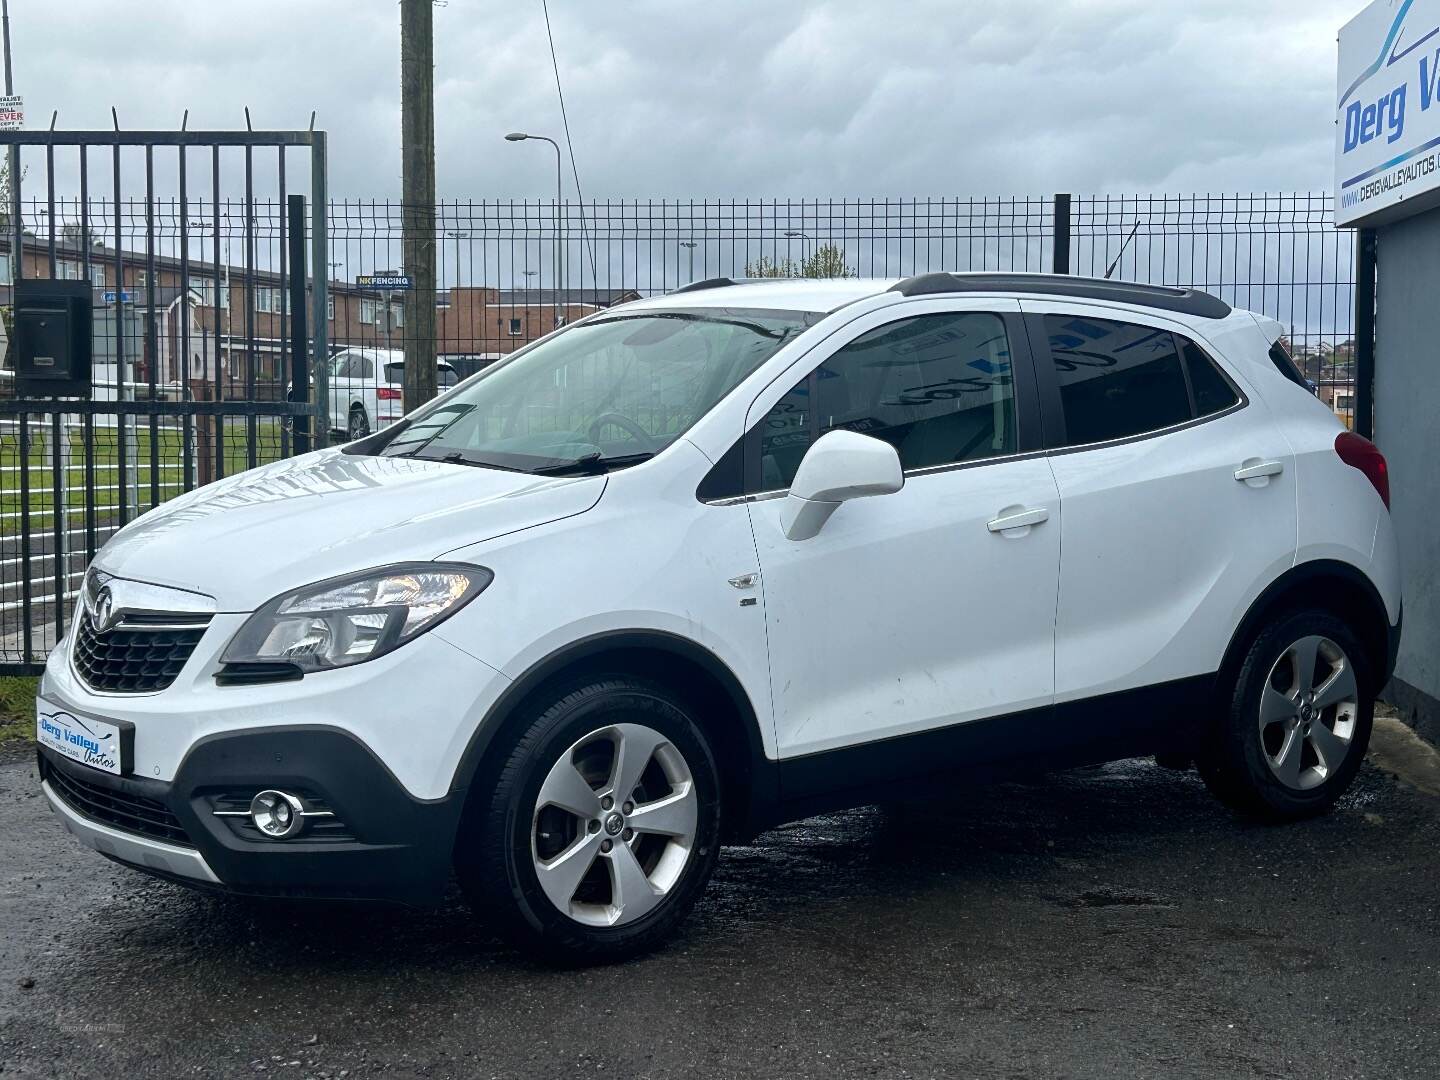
[614, 390]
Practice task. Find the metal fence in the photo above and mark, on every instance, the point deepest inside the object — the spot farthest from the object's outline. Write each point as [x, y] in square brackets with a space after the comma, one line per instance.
[509, 271]
[185, 390]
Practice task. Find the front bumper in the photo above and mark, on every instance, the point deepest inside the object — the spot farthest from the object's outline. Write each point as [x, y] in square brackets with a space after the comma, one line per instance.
[382, 843]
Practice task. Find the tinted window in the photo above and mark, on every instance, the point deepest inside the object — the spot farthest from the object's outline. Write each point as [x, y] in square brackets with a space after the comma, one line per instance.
[1116, 379]
[445, 377]
[1213, 392]
[936, 387]
[1285, 364]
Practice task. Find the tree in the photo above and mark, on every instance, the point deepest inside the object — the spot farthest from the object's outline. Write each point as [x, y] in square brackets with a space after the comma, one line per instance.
[827, 261]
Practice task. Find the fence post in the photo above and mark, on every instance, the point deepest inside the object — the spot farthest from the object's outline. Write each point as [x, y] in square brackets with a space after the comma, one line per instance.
[1365, 333]
[1061, 264]
[299, 354]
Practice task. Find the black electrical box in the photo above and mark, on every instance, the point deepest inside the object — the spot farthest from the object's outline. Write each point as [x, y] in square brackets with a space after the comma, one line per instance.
[53, 330]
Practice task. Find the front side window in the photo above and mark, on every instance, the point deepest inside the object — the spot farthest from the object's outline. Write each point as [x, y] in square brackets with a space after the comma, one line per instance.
[1116, 379]
[598, 394]
[937, 387]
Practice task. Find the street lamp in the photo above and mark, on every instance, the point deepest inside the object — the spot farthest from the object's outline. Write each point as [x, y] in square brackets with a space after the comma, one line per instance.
[521, 136]
[691, 245]
[457, 235]
[797, 234]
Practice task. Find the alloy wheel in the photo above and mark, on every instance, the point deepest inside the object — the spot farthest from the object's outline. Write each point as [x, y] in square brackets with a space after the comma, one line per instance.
[1308, 713]
[614, 825]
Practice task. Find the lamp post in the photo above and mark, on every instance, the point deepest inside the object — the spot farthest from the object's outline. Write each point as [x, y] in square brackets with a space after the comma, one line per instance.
[797, 234]
[457, 235]
[691, 245]
[521, 136]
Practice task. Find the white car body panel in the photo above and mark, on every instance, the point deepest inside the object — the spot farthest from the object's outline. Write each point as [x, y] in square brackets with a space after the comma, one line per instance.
[317, 516]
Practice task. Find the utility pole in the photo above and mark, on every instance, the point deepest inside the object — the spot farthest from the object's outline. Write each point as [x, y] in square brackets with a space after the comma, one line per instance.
[13, 162]
[417, 195]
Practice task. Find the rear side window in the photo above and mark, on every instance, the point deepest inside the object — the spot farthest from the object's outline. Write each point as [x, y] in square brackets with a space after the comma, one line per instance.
[1285, 364]
[1116, 379]
[1119, 379]
[1213, 392]
[936, 387]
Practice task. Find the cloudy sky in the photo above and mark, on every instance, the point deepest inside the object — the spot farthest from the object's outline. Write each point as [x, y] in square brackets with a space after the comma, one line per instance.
[734, 97]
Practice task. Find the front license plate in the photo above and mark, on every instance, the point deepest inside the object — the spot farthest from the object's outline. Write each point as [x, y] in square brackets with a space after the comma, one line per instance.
[100, 744]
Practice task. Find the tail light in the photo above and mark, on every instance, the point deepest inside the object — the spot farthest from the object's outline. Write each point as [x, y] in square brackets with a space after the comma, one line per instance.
[389, 393]
[1360, 453]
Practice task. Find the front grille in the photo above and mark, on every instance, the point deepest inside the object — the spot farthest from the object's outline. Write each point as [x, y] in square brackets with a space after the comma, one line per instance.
[132, 658]
[130, 813]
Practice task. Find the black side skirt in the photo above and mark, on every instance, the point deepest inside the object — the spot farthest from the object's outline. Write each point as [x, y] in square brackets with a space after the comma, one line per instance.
[1168, 718]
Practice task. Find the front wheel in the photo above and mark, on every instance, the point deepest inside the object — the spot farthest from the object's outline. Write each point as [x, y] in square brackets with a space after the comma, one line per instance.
[602, 827]
[1299, 720]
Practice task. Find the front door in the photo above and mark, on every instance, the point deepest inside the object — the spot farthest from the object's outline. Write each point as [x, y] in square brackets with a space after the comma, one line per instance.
[913, 612]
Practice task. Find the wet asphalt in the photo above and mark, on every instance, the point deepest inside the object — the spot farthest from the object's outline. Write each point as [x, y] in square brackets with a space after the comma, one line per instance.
[1105, 923]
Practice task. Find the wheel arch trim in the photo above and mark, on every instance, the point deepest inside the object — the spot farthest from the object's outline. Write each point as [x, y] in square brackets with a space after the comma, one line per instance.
[763, 781]
[1294, 578]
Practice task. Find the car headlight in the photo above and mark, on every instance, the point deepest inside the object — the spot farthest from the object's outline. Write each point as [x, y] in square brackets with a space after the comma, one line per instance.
[349, 620]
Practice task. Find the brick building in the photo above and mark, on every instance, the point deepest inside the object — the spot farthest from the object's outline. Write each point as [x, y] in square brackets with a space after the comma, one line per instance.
[244, 316]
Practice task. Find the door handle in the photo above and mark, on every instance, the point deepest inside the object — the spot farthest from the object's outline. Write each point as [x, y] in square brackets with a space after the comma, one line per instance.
[1020, 519]
[1258, 470]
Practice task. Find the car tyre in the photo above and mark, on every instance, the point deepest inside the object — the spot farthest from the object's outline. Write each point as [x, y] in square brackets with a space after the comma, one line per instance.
[631, 860]
[359, 423]
[1297, 722]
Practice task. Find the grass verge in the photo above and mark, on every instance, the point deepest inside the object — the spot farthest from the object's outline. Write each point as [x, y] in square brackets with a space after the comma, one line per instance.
[17, 710]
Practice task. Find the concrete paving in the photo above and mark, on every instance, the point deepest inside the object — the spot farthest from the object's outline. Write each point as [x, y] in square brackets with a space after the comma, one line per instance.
[1104, 923]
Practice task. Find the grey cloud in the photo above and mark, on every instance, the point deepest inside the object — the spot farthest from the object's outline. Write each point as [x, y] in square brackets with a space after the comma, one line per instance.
[747, 97]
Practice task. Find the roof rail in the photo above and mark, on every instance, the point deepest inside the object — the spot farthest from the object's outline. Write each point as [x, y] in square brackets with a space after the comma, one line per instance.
[708, 283]
[1186, 301]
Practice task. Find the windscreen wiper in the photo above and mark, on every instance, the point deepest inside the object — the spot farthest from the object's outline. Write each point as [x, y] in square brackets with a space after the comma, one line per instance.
[455, 457]
[592, 464]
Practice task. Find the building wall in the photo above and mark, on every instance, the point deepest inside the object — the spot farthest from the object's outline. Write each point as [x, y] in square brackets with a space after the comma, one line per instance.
[1407, 429]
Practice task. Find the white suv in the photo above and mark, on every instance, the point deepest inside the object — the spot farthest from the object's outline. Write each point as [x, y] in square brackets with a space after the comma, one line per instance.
[366, 389]
[721, 559]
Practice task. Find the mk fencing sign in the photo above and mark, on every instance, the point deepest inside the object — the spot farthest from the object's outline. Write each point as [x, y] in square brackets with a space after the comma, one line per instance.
[1387, 113]
[387, 281]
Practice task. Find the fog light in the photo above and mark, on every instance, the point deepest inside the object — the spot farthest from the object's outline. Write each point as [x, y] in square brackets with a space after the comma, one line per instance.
[277, 814]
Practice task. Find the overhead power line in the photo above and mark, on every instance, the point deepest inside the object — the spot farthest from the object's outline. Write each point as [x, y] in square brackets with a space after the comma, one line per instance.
[570, 146]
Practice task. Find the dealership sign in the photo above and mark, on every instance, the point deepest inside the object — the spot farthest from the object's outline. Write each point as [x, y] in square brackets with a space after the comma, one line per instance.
[1387, 113]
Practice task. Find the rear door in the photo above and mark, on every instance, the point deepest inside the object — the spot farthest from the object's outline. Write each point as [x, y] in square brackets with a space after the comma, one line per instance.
[1178, 495]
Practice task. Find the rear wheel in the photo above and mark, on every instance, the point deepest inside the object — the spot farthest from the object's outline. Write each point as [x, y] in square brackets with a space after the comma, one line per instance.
[359, 423]
[602, 828]
[1299, 720]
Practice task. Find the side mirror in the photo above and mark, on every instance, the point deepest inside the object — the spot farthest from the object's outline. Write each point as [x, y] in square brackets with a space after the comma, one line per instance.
[842, 465]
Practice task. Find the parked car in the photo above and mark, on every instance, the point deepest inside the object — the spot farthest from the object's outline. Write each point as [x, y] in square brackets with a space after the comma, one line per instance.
[367, 389]
[721, 559]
